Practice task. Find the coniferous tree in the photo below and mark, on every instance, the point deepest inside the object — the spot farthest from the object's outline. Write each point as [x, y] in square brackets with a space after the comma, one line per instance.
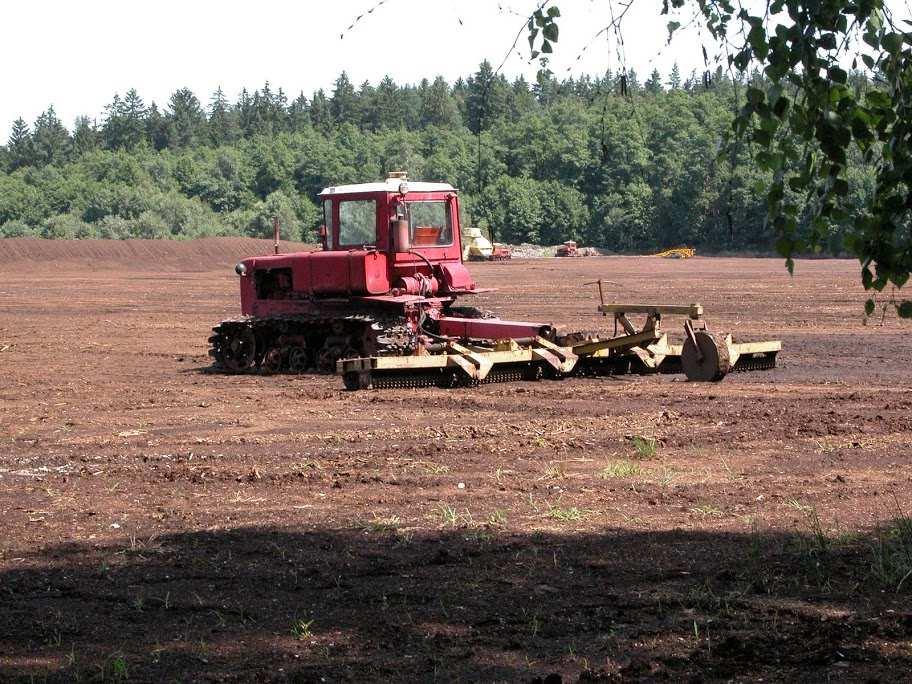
[245, 113]
[299, 114]
[124, 126]
[51, 141]
[486, 100]
[389, 105]
[653, 85]
[186, 120]
[674, 78]
[342, 104]
[438, 107]
[320, 112]
[134, 114]
[156, 128]
[86, 137]
[20, 148]
[368, 116]
[222, 124]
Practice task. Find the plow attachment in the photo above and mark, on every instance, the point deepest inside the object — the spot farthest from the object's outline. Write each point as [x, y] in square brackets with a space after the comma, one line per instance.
[703, 356]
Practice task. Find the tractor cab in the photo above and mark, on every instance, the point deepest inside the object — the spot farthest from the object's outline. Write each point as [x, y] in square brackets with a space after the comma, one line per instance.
[381, 241]
[394, 216]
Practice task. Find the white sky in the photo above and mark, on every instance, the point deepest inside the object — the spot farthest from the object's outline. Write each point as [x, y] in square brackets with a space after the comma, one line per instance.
[76, 55]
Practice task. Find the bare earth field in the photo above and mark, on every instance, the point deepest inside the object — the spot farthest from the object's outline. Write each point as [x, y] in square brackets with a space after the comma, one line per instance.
[160, 523]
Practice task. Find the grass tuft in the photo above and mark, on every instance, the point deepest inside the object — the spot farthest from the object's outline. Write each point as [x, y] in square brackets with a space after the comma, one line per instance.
[571, 514]
[645, 447]
[624, 468]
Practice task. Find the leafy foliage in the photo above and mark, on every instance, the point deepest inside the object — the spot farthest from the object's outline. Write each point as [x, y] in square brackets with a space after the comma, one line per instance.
[543, 162]
[808, 119]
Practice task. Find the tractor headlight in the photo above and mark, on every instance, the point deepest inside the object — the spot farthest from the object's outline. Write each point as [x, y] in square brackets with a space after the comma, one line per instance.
[240, 269]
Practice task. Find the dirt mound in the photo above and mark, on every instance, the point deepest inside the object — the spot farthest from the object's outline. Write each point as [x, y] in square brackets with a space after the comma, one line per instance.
[169, 255]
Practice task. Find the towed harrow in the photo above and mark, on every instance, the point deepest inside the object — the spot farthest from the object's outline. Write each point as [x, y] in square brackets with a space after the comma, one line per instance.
[704, 355]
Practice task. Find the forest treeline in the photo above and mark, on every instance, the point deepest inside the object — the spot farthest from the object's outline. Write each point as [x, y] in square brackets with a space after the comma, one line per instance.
[538, 162]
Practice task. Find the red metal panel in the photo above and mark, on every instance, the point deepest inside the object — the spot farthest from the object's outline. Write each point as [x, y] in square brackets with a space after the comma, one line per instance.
[490, 328]
[457, 278]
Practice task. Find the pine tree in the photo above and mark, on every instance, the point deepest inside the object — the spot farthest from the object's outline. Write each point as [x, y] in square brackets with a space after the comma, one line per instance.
[222, 123]
[186, 120]
[51, 140]
[653, 85]
[343, 105]
[124, 126]
[674, 78]
[437, 105]
[523, 100]
[134, 113]
[299, 114]
[245, 115]
[86, 137]
[156, 128]
[320, 112]
[20, 147]
[368, 116]
[486, 102]
[389, 105]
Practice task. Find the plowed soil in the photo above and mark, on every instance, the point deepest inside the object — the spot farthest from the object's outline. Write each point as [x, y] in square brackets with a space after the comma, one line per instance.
[161, 523]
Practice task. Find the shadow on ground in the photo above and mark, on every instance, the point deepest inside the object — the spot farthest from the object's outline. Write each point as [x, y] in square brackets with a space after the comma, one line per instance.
[467, 604]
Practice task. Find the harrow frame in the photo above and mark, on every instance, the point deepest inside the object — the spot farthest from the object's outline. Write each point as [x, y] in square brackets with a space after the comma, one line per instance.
[640, 350]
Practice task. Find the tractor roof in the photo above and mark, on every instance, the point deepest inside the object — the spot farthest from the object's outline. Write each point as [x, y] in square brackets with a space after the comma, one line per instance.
[389, 185]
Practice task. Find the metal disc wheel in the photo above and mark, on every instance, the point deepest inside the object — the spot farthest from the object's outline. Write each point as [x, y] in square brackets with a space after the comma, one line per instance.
[297, 360]
[272, 361]
[709, 363]
[239, 350]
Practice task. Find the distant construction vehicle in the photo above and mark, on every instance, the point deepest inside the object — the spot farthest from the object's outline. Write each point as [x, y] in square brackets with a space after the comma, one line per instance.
[570, 249]
[478, 247]
[677, 253]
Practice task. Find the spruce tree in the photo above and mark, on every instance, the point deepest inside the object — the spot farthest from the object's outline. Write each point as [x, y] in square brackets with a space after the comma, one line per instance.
[343, 105]
[674, 78]
[222, 123]
[299, 114]
[20, 148]
[437, 105]
[185, 118]
[320, 112]
[51, 140]
[86, 137]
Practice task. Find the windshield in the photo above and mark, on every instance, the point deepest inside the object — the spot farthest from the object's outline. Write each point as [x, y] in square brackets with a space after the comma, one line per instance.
[429, 224]
[357, 223]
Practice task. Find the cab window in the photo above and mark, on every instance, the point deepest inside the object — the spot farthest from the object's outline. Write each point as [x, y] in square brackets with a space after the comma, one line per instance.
[429, 224]
[357, 223]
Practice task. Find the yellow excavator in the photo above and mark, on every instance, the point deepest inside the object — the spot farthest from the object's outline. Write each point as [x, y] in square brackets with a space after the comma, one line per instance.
[477, 247]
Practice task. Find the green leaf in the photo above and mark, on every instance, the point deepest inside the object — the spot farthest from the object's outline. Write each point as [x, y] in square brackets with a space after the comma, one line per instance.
[755, 96]
[546, 47]
[553, 11]
[550, 32]
[837, 75]
[891, 42]
[672, 27]
[869, 307]
[905, 309]
[868, 60]
[756, 37]
[781, 106]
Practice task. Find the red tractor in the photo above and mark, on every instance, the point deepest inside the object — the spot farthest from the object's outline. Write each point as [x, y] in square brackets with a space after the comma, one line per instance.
[377, 305]
[384, 283]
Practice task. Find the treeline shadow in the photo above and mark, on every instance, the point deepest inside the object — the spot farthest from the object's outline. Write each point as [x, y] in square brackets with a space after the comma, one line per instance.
[468, 604]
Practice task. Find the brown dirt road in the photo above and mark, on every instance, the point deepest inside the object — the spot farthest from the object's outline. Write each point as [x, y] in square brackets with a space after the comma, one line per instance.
[160, 523]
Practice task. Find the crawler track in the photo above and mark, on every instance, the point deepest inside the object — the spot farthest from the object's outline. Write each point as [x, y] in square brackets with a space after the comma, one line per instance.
[298, 344]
